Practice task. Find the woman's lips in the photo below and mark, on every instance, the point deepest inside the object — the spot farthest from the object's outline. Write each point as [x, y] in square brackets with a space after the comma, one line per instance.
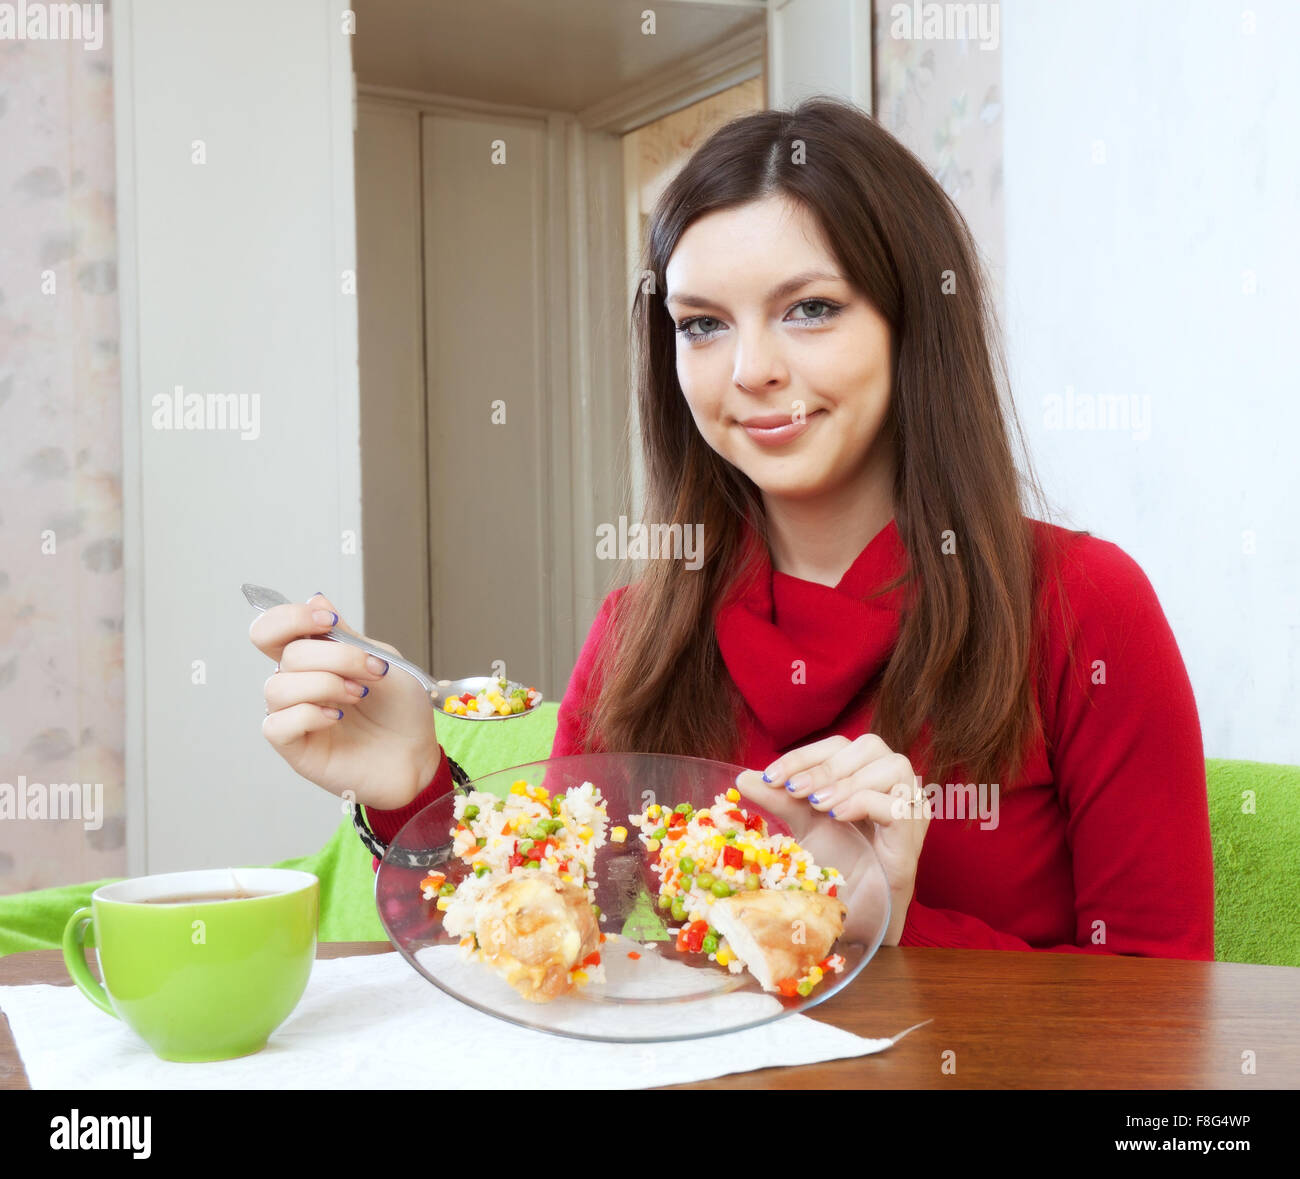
[777, 430]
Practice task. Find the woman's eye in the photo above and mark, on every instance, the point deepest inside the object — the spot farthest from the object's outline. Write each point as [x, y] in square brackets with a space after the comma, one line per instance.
[815, 309]
[706, 323]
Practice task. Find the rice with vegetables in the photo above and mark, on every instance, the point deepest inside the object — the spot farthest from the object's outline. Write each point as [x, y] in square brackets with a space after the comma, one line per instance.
[502, 697]
[527, 832]
[703, 857]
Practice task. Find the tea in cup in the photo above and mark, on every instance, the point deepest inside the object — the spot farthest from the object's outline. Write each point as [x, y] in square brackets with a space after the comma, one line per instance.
[202, 965]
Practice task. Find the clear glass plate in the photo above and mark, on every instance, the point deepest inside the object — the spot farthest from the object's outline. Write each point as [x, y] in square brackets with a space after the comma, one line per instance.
[663, 994]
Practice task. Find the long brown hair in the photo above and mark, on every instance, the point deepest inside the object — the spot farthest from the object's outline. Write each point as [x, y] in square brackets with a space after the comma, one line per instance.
[965, 651]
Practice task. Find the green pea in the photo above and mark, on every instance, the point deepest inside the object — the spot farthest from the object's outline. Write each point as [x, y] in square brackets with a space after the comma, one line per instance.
[481, 870]
[552, 825]
[752, 882]
[720, 889]
[446, 889]
[730, 835]
[539, 831]
[520, 694]
[481, 841]
[555, 806]
[710, 945]
[471, 813]
[658, 832]
[683, 808]
[517, 705]
[665, 902]
[687, 865]
[678, 909]
[596, 911]
[499, 805]
[532, 863]
[704, 879]
[525, 845]
[805, 988]
[686, 883]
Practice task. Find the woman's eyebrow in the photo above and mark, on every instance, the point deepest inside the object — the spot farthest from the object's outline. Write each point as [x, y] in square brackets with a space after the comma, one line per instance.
[789, 287]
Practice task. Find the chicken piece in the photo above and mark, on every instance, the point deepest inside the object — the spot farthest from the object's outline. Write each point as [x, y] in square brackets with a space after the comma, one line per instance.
[532, 929]
[779, 933]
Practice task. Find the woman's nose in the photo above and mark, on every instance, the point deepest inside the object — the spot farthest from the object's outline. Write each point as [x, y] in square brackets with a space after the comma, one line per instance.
[758, 363]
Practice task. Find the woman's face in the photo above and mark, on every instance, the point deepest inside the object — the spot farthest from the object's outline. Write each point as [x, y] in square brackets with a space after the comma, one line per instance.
[785, 366]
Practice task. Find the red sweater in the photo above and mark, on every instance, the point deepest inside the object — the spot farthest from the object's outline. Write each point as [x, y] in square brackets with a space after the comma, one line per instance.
[1103, 846]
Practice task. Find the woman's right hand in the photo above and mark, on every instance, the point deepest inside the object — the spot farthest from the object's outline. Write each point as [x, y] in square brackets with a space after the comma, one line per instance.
[335, 714]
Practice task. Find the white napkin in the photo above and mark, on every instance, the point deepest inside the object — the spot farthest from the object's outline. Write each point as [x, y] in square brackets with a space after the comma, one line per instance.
[371, 1022]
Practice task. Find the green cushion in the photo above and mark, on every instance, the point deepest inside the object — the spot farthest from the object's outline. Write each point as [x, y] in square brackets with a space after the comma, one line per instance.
[1256, 866]
[1255, 827]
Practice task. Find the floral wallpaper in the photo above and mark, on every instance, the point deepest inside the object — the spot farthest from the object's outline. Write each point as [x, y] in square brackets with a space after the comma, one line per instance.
[942, 97]
[61, 592]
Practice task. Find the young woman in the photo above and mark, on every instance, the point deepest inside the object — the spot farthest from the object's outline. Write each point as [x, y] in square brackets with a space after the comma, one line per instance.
[875, 619]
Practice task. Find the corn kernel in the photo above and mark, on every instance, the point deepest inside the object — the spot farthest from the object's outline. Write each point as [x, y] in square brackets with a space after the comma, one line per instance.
[816, 974]
[567, 878]
[444, 903]
[520, 787]
[810, 886]
[618, 835]
[728, 871]
[834, 872]
[580, 976]
[653, 810]
[724, 957]
[733, 795]
[749, 854]
[766, 858]
[652, 845]
[585, 833]
[449, 706]
[716, 841]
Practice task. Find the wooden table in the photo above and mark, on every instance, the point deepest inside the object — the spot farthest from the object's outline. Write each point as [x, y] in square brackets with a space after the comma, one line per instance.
[1008, 1020]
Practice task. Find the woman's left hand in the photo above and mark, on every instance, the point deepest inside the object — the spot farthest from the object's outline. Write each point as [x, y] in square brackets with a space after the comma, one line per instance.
[865, 782]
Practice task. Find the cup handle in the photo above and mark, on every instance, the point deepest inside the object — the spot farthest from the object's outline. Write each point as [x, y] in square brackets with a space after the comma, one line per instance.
[74, 958]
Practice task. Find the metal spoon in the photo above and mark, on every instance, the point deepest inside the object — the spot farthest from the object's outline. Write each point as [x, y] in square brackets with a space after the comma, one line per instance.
[438, 690]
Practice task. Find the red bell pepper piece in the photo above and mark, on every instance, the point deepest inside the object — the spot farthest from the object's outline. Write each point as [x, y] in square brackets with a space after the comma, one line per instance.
[733, 857]
[788, 987]
[830, 892]
[705, 821]
[592, 959]
[695, 935]
[754, 823]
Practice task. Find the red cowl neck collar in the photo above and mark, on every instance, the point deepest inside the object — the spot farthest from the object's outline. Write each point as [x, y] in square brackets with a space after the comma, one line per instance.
[843, 635]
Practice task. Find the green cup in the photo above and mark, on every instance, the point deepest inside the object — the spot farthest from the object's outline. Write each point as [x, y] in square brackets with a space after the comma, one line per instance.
[199, 980]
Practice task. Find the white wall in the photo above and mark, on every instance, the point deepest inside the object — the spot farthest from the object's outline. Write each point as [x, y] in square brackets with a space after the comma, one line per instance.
[231, 283]
[1133, 277]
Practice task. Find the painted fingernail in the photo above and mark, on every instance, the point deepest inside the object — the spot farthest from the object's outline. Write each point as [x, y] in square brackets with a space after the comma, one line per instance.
[813, 799]
[325, 617]
[358, 690]
[789, 787]
[766, 778]
[831, 813]
[799, 781]
[376, 665]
